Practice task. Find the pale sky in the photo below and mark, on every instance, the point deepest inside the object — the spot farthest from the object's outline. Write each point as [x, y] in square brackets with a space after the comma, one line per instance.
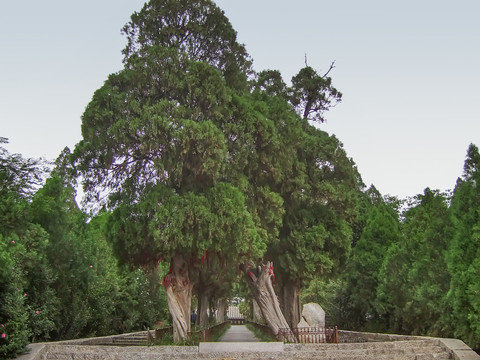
[409, 72]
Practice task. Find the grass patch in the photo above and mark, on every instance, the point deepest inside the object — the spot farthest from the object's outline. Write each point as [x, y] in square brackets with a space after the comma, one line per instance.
[167, 339]
[259, 334]
[218, 335]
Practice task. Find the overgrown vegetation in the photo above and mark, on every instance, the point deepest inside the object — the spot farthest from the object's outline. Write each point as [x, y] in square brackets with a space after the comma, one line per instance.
[59, 278]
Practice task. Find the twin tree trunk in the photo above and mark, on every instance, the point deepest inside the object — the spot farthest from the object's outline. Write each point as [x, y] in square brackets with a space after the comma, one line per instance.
[260, 281]
[203, 304]
[179, 297]
[290, 302]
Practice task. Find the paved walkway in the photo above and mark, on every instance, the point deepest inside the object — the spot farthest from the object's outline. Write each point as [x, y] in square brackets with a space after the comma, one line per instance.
[238, 333]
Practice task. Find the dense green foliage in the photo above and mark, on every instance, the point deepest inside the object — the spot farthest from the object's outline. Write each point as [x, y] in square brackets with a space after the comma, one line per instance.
[200, 163]
[58, 276]
[464, 252]
[161, 137]
[415, 267]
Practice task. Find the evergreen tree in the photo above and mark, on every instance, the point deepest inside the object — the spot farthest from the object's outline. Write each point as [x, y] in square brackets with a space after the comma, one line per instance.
[192, 162]
[154, 140]
[25, 275]
[464, 252]
[197, 28]
[316, 233]
[414, 277]
[381, 231]
[312, 94]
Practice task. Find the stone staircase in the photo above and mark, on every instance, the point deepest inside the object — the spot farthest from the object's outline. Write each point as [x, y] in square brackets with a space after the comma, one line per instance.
[139, 338]
[395, 350]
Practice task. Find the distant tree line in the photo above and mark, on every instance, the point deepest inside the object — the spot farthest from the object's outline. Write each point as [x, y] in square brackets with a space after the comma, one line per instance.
[414, 265]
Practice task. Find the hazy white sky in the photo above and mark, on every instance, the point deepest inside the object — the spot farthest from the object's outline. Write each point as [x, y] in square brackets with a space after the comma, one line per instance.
[409, 72]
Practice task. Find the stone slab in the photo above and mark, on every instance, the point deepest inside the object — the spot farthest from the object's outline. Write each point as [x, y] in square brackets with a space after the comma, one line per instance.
[455, 344]
[34, 351]
[219, 347]
[459, 349]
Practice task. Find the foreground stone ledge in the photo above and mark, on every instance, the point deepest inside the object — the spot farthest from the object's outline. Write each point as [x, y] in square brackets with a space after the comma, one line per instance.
[78, 349]
[456, 348]
[34, 352]
[240, 347]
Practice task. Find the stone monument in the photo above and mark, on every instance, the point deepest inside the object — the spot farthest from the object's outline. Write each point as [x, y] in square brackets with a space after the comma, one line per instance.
[312, 316]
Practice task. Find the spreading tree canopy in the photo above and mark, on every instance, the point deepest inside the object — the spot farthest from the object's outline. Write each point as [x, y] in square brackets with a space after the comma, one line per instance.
[203, 169]
[155, 150]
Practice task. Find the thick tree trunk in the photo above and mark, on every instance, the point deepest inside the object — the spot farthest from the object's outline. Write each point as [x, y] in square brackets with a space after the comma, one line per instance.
[203, 301]
[221, 310]
[179, 297]
[290, 302]
[260, 281]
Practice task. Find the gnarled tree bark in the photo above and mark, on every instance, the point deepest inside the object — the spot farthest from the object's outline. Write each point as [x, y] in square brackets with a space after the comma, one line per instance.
[260, 281]
[179, 297]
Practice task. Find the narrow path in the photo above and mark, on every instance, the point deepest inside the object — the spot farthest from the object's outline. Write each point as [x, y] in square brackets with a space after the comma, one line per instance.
[238, 333]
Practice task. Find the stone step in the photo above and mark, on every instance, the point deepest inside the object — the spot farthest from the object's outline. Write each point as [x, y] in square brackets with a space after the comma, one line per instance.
[130, 342]
[365, 345]
[389, 350]
[139, 338]
[234, 356]
[380, 352]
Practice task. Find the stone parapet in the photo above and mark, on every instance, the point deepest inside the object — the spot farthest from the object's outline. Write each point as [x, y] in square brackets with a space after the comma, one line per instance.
[370, 346]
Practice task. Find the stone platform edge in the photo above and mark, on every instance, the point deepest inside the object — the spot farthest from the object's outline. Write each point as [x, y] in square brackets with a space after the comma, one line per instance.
[457, 348]
[240, 347]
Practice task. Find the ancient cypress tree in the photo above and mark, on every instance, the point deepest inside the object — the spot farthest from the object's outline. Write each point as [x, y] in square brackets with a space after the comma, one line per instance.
[315, 181]
[154, 150]
[203, 171]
